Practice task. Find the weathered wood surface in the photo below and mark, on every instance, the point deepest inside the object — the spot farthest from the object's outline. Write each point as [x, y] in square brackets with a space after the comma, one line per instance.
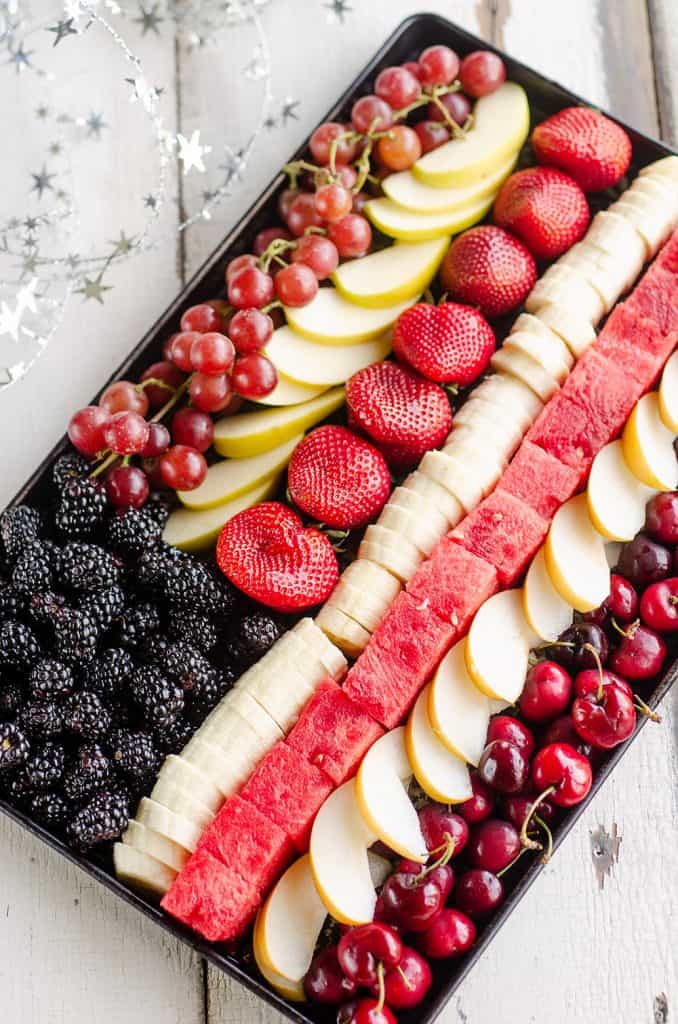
[592, 942]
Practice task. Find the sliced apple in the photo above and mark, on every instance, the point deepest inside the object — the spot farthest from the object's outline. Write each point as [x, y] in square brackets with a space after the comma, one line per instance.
[576, 331]
[648, 445]
[394, 221]
[342, 629]
[290, 392]
[196, 529]
[311, 363]
[668, 394]
[498, 646]
[340, 839]
[575, 557]
[440, 773]
[545, 610]
[289, 923]
[293, 991]
[251, 433]
[526, 369]
[390, 275]
[330, 319]
[160, 819]
[411, 194]
[501, 122]
[458, 711]
[141, 871]
[227, 480]
[616, 498]
[381, 793]
[156, 845]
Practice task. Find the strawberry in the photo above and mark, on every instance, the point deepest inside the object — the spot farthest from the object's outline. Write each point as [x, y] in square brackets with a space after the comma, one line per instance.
[401, 412]
[445, 343]
[585, 144]
[269, 555]
[338, 478]
[545, 208]
[488, 268]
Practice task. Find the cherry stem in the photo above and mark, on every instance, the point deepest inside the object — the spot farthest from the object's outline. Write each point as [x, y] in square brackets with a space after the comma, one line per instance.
[382, 988]
[448, 848]
[406, 981]
[599, 665]
[549, 839]
[525, 840]
[512, 862]
[646, 710]
[626, 633]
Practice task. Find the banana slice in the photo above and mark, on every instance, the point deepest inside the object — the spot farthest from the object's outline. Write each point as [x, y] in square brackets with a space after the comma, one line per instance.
[616, 498]
[439, 772]
[577, 332]
[410, 526]
[531, 325]
[424, 507]
[145, 840]
[526, 369]
[140, 871]
[227, 770]
[360, 605]
[488, 425]
[511, 397]
[238, 712]
[468, 482]
[552, 355]
[648, 445]
[331, 658]
[615, 235]
[183, 802]
[173, 826]
[436, 495]
[393, 552]
[566, 287]
[282, 692]
[343, 631]
[651, 218]
[545, 610]
[666, 167]
[178, 772]
[668, 394]
[609, 275]
[374, 582]
[656, 188]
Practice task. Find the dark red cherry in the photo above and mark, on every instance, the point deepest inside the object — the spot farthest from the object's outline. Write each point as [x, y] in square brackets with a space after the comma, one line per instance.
[623, 600]
[409, 901]
[493, 845]
[406, 985]
[603, 712]
[480, 805]
[325, 982]
[478, 892]
[547, 692]
[503, 766]
[640, 654]
[368, 1011]
[659, 605]
[642, 560]
[442, 875]
[505, 727]
[661, 517]
[440, 825]
[560, 766]
[451, 934]
[582, 645]
[517, 807]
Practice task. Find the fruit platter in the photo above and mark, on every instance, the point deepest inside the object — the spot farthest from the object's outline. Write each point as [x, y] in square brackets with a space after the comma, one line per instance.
[335, 607]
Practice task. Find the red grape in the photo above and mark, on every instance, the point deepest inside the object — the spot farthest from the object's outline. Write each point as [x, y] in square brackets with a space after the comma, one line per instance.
[86, 429]
[250, 329]
[438, 65]
[296, 285]
[126, 433]
[481, 72]
[318, 253]
[151, 468]
[212, 354]
[181, 349]
[432, 134]
[352, 235]
[303, 214]
[211, 394]
[359, 200]
[167, 347]
[250, 287]
[322, 139]
[158, 440]
[285, 200]
[239, 263]
[397, 86]
[201, 318]
[371, 114]
[123, 395]
[400, 148]
[127, 487]
[333, 201]
[183, 468]
[193, 428]
[254, 376]
[220, 306]
[347, 176]
[457, 105]
[268, 235]
[166, 372]
[413, 67]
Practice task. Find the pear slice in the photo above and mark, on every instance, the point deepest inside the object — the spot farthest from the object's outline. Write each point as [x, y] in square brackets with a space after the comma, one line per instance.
[289, 923]
[196, 529]
[411, 194]
[311, 363]
[440, 773]
[616, 498]
[551, 353]
[330, 319]
[251, 433]
[141, 871]
[545, 610]
[400, 272]
[501, 122]
[668, 394]
[526, 369]
[498, 646]
[340, 839]
[382, 798]
[145, 840]
[293, 991]
[179, 830]
[290, 392]
[407, 226]
[230, 478]
[576, 331]
[648, 445]
[458, 711]
[344, 631]
[575, 557]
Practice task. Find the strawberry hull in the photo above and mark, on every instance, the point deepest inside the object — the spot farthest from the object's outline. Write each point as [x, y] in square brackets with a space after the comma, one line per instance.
[635, 344]
[333, 733]
[453, 581]
[539, 479]
[212, 898]
[242, 837]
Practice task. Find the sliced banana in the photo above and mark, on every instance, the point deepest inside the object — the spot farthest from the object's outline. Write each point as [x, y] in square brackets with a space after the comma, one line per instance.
[158, 846]
[615, 235]
[174, 827]
[282, 692]
[345, 632]
[566, 287]
[177, 772]
[528, 323]
[238, 712]
[438, 496]
[388, 549]
[141, 871]
[666, 167]
[649, 215]
[609, 275]
[577, 332]
[489, 425]
[403, 497]
[511, 397]
[227, 769]
[469, 483]
[360, 605]
[552, 355]
[332, 658]
[182, 801]
[526, 369]
[414, 529]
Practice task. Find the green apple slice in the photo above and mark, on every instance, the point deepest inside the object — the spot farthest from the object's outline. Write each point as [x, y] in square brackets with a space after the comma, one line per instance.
[501, 122]
[545, 610]
[395, 222]
[196, 529]
[290, 392]
[307, 361]
[227, 480]
[330, 319]
[575, 557]
[440, 773]
[668, 394]
[289, 923]
[400, 272]
[458, 711]
[410, 194]
[498, 646]
[616, 498]
[251, 433]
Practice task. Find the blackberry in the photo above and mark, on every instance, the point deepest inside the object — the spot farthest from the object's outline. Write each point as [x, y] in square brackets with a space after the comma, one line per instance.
[32, 571]
[16, 787]
[138, 624]
[12, 602]
[12, 697]
[19, 646]
[42, 719]
[207, 694]
[132, 531]
[50, 679]
[173, 738]
[51, 810]
[105, 607]
[134, 754]
[45, 609]
[14, 746]
[89, 773]
[69, 467]
[87, 716]
[253, 636]
[160, 701]
[75, 636]
[157, 647]
[158, 567]
[82, 508]
[108, 673]
[193, 628]
[19, 527]
[187, 666]
[88, 567]
[45, 767]
[104, 818]
[197, 589]
[158, 506]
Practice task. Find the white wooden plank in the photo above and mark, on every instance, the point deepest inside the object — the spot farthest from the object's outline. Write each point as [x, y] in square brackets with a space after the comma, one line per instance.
[664, 30]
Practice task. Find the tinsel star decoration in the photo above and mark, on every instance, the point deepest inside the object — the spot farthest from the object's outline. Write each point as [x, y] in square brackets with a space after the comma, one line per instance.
[63, 29]
[191, 153]
[337, 11]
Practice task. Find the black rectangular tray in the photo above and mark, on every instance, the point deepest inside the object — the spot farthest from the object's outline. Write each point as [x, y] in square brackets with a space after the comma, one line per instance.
[546, 97]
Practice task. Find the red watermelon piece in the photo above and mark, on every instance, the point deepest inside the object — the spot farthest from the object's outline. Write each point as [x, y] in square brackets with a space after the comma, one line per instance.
[333, 733]
[288, 790]
[504, 532]
[399, 659]
[455, 582]
[243, 837]
[635, 344]
[212, 898]
[656, 297]
[539, 480]
[668, 255]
